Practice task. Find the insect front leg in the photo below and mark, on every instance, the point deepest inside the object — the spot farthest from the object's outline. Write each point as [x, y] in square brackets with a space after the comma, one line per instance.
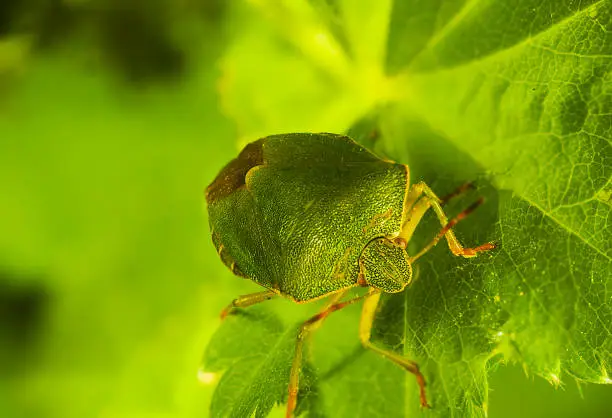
[418, 206]
[465, 252]
[365, 331]
[431, 200]
[247, 300]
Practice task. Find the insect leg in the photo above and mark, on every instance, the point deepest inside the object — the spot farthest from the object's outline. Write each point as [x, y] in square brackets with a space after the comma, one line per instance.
[365, 329]
[415, 207]
[431, 200]
[465, 252]
[247, 300]
[307, 327]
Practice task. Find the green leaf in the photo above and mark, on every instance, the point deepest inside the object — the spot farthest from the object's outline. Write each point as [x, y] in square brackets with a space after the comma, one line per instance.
[450, 33]
[536, 117]
[516, 95]
[255, 349]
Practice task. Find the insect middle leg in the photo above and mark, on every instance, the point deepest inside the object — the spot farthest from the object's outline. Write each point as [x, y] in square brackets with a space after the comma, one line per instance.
[365, 331]
[418, 205]
[247, 300]
[305, 329]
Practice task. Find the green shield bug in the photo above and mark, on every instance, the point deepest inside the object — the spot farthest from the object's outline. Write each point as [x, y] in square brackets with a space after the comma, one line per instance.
[312, 215]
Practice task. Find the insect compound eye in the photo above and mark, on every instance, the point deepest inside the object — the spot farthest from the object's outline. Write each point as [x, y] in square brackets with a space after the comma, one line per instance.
[400, 242]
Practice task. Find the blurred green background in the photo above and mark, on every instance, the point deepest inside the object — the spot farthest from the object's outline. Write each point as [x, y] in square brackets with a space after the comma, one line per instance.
[114, 117]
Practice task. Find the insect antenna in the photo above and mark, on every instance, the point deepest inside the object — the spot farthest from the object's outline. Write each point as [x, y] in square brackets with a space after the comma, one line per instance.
[457, 192]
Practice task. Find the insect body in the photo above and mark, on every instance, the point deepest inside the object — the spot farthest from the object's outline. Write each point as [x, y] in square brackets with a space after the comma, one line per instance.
[313, 215]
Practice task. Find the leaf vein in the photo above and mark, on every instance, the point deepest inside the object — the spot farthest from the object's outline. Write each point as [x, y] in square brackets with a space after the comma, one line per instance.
[551, 216]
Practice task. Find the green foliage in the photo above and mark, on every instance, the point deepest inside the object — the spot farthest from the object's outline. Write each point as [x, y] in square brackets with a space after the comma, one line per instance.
[515, 94]
[103, 244]
[260, 358]
[110, 286]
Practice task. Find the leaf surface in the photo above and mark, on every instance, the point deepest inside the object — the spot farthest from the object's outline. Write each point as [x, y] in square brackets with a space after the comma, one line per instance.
[516, 95]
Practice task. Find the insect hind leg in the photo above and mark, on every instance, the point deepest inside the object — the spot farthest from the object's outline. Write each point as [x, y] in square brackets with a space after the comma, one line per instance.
[247, 300]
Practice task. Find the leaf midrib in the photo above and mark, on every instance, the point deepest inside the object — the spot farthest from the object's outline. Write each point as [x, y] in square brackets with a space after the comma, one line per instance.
[527, 41]
[266, 359]
[549, 215]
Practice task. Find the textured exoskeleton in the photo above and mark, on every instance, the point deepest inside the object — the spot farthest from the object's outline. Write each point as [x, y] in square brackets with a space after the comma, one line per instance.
[296, 213]
[312, 215]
